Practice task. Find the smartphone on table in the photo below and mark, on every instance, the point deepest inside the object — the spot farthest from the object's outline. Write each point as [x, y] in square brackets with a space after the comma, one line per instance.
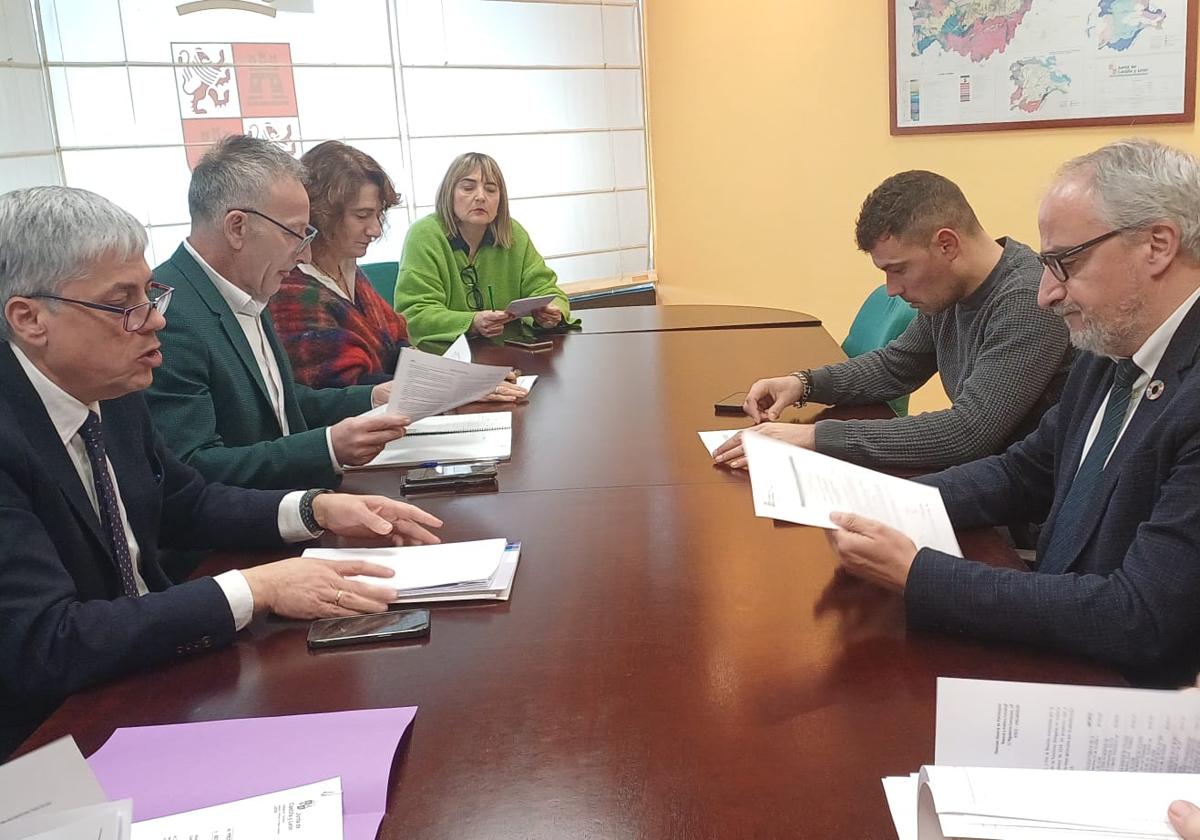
[732, 405]
[442, 476]
[373, 627]
[534, 344]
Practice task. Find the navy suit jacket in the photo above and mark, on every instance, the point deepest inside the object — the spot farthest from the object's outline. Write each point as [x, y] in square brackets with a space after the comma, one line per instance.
[64, 622]
[1131, 593]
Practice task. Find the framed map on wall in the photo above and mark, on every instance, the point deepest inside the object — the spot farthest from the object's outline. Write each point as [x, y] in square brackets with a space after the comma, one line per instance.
[975, 65]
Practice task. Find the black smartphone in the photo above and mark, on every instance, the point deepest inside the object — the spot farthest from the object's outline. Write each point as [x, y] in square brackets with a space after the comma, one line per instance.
[731, 404]
[530, 343]
[374, 627]
[450, 475]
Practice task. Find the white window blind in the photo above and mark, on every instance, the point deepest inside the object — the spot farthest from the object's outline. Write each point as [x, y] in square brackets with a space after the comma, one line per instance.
[552, 90]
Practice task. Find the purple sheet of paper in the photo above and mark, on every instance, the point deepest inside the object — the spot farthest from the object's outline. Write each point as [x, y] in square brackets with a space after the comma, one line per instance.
[181, 767]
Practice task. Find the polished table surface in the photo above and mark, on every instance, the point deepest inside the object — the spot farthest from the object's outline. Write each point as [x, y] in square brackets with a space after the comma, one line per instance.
[686, 316]
[668, 666]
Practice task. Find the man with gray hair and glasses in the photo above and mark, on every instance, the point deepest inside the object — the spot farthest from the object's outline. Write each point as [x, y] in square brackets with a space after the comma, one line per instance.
[224, 399]
[88, 492]
[1114, 469]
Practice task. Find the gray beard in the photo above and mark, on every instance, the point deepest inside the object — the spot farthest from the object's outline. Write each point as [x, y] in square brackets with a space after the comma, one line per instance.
[1110, 339]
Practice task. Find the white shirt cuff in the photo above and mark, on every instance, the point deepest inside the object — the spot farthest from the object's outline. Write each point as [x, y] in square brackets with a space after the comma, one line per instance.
[337, 468]
[291, 526]
[241, 599]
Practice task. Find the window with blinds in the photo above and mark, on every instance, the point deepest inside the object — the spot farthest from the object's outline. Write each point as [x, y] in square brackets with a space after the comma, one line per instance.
[129, 91]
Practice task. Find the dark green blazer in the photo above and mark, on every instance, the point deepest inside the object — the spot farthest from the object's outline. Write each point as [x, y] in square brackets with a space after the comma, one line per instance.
[209, 400]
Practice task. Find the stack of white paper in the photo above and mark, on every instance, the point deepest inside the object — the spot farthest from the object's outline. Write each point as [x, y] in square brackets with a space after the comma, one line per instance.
[1026, 761]
[422, 568]
[798, 485]
[496, 588]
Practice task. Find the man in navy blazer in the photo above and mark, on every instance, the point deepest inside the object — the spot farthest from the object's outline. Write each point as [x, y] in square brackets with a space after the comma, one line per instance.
[1114, 469]
[88, 492]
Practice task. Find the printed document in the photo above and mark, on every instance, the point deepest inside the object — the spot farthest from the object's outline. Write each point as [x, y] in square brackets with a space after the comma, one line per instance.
[309, 812]
[426, 384]
[525, 306]
[985, 723]
[798, 485]
[424, 566]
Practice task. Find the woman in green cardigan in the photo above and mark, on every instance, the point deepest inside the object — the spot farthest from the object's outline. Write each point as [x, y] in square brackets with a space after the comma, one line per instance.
[464, 263]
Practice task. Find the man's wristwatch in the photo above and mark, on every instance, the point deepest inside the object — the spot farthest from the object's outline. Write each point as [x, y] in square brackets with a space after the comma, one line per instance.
[805, 377]
[306, 512]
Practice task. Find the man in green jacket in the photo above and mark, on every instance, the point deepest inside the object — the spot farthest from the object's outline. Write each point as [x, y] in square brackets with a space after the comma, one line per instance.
[224, 399]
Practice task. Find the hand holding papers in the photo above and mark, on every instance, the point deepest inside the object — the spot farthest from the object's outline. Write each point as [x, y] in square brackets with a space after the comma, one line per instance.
[796, 485]
[426, 384]
[525, 306]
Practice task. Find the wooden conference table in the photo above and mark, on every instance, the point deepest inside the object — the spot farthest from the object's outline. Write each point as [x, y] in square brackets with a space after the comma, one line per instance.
[668, 666]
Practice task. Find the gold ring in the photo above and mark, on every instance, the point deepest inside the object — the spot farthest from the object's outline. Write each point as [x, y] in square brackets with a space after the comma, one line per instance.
[337, 602]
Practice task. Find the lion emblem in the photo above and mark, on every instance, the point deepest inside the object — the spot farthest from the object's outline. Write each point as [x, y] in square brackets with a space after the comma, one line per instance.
[202, 78]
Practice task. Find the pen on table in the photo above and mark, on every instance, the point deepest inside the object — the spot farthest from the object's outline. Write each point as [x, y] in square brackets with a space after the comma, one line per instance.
[491, 299]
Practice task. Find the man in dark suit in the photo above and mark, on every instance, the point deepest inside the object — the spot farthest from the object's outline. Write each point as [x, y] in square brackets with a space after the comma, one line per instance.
[1114, 470]
[88, 492]
[224, 399]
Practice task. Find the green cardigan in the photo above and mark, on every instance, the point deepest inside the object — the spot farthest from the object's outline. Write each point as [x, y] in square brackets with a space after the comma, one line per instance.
[210, 403]
[432, 296]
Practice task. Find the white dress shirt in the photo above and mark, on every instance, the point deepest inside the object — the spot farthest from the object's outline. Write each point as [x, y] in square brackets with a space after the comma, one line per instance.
[1147, 359]
[248, 312]
[68, 415]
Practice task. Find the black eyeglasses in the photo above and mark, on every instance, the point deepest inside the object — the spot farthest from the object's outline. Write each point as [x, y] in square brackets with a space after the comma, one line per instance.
[135, 317]
[1053, 260]
[310, 232]
[474, 296]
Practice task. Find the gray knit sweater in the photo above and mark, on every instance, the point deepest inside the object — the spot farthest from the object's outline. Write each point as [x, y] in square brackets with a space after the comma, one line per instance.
[1003, 362]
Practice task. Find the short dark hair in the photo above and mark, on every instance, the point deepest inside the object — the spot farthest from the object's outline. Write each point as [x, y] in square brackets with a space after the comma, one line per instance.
[913, 206]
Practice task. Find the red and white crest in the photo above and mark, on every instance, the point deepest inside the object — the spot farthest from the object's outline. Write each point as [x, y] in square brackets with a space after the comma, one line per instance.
[236, 88]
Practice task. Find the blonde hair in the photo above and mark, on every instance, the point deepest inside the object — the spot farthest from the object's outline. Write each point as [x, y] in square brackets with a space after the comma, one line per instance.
[464, 165]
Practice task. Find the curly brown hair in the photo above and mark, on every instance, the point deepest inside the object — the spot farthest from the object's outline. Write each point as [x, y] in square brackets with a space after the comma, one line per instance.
[336, 172]
[913, 206]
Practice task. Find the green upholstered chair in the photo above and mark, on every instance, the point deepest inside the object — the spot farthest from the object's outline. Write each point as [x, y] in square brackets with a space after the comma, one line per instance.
[383, 277]
[879, 320]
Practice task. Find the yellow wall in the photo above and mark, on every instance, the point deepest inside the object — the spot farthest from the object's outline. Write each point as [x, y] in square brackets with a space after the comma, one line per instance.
[768, 127]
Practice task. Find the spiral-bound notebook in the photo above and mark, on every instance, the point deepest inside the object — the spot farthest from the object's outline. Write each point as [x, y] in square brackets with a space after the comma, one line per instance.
[450, 439]
[450, 424]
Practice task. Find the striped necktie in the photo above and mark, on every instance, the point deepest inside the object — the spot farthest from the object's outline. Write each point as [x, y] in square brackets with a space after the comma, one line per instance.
[106, 500]
[1067, 527]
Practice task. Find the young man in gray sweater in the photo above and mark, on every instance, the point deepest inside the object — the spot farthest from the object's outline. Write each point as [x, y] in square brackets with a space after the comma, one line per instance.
[1003, 361]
